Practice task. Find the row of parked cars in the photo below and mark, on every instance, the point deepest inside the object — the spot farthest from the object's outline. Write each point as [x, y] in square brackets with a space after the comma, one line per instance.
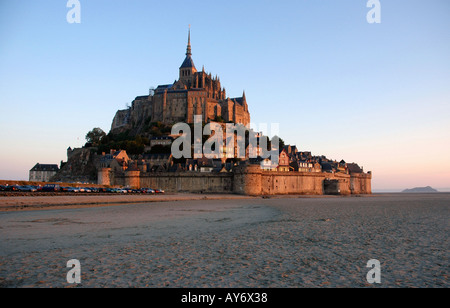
[18, 188]
[132, 191]
[58, 188]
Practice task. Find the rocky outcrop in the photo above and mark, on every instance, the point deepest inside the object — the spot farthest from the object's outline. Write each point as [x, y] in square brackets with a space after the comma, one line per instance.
[121, 121]
[135, 119]
[80, 167]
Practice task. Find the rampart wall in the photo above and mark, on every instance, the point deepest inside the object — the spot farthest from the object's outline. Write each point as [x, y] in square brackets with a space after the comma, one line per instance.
[245, 180]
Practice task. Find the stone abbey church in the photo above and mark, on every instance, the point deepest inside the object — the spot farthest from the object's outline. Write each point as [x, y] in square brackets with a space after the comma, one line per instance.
[194, 93]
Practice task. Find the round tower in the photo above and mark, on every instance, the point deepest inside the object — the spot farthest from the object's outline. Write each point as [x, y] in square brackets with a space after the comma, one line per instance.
[104, 176]
[247, 180]
[132, 177]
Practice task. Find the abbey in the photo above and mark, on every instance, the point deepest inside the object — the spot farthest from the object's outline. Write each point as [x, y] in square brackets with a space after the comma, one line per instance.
[194, 93]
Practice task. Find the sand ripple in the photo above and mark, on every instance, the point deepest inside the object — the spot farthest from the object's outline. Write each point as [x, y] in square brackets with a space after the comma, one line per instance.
[293, 242]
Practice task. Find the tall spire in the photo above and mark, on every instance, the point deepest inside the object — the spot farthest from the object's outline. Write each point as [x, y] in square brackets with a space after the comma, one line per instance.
[188, 69]
[188, 49]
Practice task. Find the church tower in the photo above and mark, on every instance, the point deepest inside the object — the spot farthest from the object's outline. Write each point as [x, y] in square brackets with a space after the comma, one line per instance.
[187, 69]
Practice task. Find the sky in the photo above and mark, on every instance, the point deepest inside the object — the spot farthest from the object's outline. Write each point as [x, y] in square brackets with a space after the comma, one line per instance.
[377, 94]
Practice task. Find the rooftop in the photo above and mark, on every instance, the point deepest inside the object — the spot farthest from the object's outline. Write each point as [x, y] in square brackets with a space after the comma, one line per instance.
[188, 62]
[45, 167]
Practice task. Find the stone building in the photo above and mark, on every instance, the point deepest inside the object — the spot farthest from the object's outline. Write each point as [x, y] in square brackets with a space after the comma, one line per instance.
[43, 172]
[194, 93]
[283, 162]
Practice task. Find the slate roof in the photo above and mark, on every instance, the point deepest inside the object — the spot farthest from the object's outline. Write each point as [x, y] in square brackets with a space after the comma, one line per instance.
[161, 88]
[141, 98]
[188, 62]
[354, 168]
[327, 167]
[239, 100]
[45, 167]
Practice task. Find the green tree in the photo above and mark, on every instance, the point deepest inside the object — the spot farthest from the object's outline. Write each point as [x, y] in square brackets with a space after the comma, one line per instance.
[282, 143]
[95, 136]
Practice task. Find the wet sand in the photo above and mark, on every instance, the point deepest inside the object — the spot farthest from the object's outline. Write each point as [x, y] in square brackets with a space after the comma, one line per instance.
[28, 202]
[231, 242]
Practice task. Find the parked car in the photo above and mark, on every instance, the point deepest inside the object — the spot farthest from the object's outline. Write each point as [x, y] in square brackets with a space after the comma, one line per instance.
[2, 187]
[73, 189]
[84, 189]
[28, 188]
[51, 187]
[147, 191]
[159, 191]
[11, 188]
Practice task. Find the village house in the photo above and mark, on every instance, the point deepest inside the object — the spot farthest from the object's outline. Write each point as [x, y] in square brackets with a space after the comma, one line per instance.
[156, 162]
[116, 160]
[269, 165]
[354, 168]
[283, 162]
[42, 172]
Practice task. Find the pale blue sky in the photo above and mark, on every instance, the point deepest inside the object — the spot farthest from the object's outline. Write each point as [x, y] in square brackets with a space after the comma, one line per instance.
[375, 94]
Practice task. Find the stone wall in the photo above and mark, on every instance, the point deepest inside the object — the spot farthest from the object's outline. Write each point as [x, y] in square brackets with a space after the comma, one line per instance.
[285, 183]
[248, 180]
[318, 183]
[189, 182]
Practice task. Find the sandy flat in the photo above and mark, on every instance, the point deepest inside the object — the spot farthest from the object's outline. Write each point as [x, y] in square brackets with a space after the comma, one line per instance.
[21, 203]
[232, 242]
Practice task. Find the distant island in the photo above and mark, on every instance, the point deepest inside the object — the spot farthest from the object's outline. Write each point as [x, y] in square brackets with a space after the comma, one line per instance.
[427, 189]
